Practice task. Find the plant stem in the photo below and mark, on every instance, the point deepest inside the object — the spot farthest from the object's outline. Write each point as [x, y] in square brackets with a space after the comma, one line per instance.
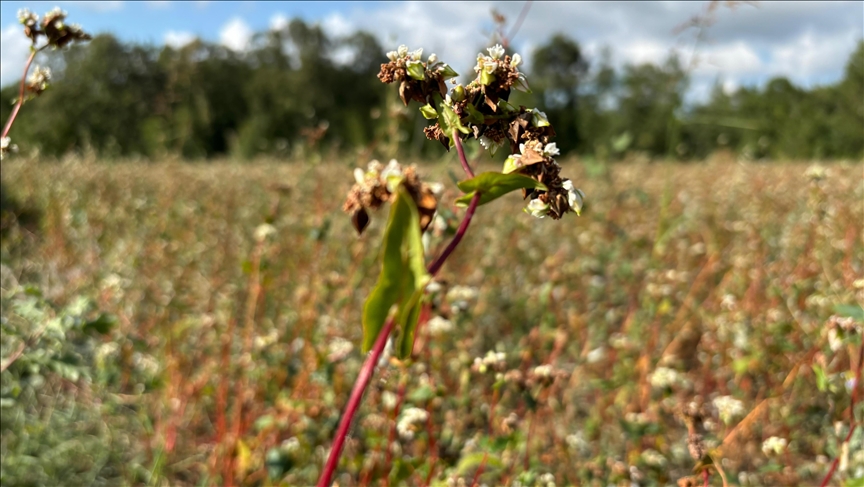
[354, 402]
[461, 152]
[852, 422]
[368, 367]
[14, 114]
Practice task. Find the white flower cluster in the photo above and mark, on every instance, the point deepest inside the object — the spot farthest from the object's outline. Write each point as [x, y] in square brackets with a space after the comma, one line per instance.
[654, 458]
[728, 408]
[439, 325]
[665, 377]
[543, 371]
[408, 421]
[402, 53]
[6, 145]
[27, 18]
[38, 80]
[775, 445]
[392, 174]
[460, 296]
[491, 359]
[488, 65]
[414, 66]
[338, 349]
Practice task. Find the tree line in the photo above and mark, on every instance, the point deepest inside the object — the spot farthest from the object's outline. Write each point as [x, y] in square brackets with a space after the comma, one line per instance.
[288, 96]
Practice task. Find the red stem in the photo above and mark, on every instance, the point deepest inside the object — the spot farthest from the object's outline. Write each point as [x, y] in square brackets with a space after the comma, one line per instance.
[368, 368]
[461, 152]
[354, 403]
[14, 114]
[852, 422]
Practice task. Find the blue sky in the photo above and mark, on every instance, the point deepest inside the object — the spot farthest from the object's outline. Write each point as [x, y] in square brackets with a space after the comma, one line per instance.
[808, 42]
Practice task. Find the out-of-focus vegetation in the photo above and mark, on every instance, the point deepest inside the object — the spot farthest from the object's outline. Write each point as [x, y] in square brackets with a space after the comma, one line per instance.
[174, 324]
[296, 92]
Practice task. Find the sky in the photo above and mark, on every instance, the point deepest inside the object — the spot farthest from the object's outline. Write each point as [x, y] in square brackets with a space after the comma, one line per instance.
[808, 42]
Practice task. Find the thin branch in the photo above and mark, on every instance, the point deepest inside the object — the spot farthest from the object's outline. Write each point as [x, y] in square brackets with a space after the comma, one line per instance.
[461, 152]
[14, 113]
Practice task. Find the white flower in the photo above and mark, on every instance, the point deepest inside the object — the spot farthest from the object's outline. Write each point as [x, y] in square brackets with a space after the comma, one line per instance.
[392, 55]
[774, 444]
[490, 144]
[516, 60]
[26, 17]
[496, 51]
[537, 208]
[406, 426]
[461, 293]
[291, 445]
[543, 371]
[538, 118]
[402, 51]
[575, 196]
[338, 349]
[415, 56]
[263, 231]
[392, 175]
[4, 143]
[491, 359]
[38, 80]
[551, 150]
[654, 458]
[439, 325]
[359, 175]
[665, 377]
[490, 66]
[433, 58]
[728, 408]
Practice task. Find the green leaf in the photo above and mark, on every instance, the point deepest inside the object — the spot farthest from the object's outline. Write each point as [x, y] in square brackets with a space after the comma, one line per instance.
[448, 121]
[474, 115]
[493, 185]
[853, 311]
[101, 325]
[447, 72]
[428, 112]
[402, 279]
[472, 461]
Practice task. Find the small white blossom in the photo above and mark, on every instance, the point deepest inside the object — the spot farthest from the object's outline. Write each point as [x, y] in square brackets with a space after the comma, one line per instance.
[392, 55]
[39, 78]
[439, 325]
[263, 231]
[575, 196]
[388, 400]
[460, 296]
[291, 445]
[491, 359]
[338, 349]
[26, 17]
[402, 51]
[551, 150]
[359, 175]
[543, 371]
[415, 56]
[728, 408]
[433, 58]
[407, 424]
[496, 51]
[774, 445]
[537, 208]
[490, 67]
[516, 60]
[392, 175]
[665, 377]
[4, 143]
[654, 458]
[490, 144]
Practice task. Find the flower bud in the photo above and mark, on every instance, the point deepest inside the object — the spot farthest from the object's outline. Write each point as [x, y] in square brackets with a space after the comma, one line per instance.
[458, 93]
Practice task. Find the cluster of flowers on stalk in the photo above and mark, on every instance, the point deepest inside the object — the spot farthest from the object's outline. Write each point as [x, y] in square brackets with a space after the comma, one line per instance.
[481, 110]
[57, 34]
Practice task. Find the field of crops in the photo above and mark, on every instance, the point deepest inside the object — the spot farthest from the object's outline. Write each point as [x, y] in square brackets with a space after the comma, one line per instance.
[199, 324]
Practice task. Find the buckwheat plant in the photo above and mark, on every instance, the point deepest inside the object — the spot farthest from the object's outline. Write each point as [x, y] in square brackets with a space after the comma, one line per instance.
[57, 34]
[478, 110]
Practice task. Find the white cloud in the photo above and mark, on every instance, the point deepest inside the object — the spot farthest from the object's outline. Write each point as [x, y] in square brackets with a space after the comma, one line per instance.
[14, 49]
[176, 39]
[278, 21]
[236, 34]
[336, 25]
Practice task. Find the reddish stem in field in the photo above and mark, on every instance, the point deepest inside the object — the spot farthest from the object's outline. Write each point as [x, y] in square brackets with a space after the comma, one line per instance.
[14, 114]
[461, 152]
[368, 368]
[480, 469]
[852, 422]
